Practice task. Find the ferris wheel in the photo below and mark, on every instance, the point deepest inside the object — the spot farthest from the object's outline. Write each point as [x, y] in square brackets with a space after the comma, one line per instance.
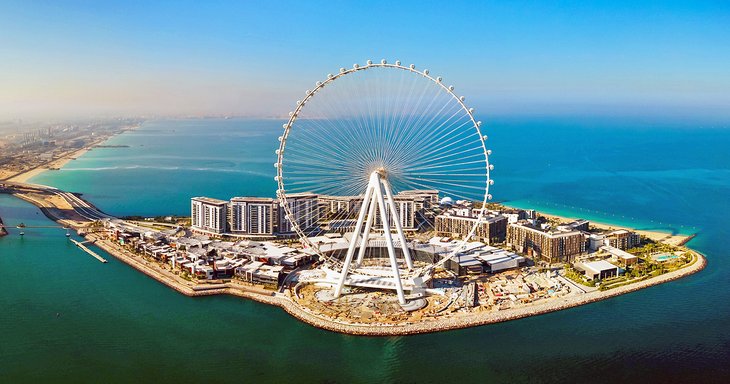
[366, 140]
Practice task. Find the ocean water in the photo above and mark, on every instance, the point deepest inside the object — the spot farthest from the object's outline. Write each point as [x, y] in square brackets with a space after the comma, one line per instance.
[68, 318]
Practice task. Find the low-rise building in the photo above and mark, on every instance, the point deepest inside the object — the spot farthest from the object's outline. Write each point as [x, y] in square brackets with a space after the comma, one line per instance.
[598, 270]
[623, 257]
[260, 273]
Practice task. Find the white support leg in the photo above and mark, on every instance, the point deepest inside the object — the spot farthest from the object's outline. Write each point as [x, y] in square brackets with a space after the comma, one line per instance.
[356, 235]
[398, 226]
[366, 234]
[389, 242]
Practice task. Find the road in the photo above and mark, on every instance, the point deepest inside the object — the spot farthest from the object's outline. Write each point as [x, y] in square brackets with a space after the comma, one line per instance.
[81, 207]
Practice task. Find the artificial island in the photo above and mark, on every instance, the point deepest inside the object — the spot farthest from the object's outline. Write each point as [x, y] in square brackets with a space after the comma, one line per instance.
[381, 223]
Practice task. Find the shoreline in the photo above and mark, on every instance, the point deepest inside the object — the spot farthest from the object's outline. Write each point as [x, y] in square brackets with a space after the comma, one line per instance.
[191, 289]
[60, 162]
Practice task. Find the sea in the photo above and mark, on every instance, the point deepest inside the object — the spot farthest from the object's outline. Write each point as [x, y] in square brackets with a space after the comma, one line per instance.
[68, 318]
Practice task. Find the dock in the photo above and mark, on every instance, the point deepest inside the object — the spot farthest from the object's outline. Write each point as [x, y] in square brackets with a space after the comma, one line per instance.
[87, 250]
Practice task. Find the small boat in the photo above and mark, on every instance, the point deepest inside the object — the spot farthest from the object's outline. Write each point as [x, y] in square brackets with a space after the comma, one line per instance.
[22, 233]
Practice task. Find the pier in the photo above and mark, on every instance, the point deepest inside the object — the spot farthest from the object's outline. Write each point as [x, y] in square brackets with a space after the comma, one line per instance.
[87, 250]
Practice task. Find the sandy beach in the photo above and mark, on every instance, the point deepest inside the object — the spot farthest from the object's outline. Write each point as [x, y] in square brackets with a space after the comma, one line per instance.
[653, 235]
[58, 163]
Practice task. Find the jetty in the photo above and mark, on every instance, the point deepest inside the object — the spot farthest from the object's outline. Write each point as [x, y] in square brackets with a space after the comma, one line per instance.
[81, 245]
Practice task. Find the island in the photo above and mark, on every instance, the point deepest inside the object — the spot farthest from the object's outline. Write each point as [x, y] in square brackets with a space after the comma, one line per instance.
[522, 263]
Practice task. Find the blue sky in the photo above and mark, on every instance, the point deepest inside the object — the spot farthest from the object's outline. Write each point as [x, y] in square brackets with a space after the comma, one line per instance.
[257, 58]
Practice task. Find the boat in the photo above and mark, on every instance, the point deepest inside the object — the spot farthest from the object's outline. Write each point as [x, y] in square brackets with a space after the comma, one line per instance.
[22, 233]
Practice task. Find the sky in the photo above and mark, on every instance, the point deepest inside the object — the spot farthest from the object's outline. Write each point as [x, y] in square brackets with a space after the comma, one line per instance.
[256, 58]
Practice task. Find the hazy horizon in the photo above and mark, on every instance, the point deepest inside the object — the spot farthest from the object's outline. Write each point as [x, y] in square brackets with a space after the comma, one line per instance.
[76, 59]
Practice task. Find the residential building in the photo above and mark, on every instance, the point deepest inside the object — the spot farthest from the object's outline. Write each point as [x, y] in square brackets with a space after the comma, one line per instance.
[623, 239]
[255, 216]
[305, 211]
[208, 214]
[405, 210]
[459, 223]
[550, 246]
[339, 206]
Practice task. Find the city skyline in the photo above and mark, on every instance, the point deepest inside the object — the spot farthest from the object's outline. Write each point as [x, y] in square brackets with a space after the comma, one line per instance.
[78, 59]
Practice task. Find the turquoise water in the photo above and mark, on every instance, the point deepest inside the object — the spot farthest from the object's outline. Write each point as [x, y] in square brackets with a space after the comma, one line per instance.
[116, 325]
[666, 257]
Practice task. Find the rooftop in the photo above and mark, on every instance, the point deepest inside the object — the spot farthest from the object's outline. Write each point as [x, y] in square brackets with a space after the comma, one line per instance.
[209, 200]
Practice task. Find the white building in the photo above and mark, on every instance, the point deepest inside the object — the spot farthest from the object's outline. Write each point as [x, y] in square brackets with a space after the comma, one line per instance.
[304, 211]
[208, 214]
[341, 206]
[252, 216]
[598, 270]
[405, 210]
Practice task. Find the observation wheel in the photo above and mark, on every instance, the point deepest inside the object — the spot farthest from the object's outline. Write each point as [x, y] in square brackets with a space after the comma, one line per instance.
[370, 153]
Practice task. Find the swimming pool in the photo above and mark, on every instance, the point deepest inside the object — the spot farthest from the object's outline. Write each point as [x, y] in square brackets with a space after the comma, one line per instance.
[665, 257]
